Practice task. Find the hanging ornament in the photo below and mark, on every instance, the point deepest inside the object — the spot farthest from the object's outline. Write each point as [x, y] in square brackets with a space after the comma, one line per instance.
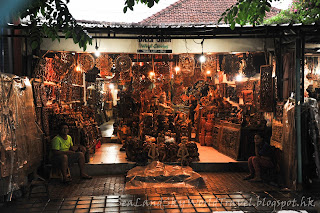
[162, 68]
[187, 63]
[104, 63]
[123, 63]
[210, 64]
[59, 67]
[86, 62]
[67, 59]
[40, 70]
[50, 74]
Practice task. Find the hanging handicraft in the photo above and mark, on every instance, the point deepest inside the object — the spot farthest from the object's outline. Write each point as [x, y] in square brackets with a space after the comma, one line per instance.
[50, 74]
[40, 69]
[86, 62]
[62, 63]
[266, 97]
[187, 63]
[210, 64]
[67, 59]
[123, 63]
[104, 63]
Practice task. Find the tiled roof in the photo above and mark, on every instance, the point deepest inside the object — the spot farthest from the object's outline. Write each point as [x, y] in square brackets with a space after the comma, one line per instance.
[194, 12]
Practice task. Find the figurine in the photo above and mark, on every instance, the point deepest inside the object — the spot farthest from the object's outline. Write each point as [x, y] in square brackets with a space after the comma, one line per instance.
[183, 151]
[153, 153]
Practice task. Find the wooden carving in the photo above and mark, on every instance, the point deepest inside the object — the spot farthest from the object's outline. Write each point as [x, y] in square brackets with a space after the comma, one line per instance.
[210, 64]
[277, 134]
[230, 140]
[187, 63]
[104, 64]
[266, 94]
[123, 63]
[86, 62]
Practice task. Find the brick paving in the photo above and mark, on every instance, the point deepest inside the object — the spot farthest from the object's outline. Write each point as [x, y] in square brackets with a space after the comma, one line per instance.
[222, 192]
[115, 185]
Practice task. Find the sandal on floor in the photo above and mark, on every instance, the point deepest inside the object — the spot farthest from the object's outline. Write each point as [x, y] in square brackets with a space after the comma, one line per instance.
[67, 180]
[86, 177]
[248, 177]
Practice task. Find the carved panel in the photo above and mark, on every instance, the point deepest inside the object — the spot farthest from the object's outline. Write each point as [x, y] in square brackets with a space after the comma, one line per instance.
[277, 134]
[230, 141]
[266, 94]
[187, 63]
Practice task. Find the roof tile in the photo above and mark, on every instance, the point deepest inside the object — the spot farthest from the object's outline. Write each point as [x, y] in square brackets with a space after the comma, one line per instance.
[194, 11]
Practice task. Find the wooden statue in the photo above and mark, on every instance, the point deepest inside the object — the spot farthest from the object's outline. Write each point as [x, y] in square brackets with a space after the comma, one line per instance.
[183, 152]
[153, 153]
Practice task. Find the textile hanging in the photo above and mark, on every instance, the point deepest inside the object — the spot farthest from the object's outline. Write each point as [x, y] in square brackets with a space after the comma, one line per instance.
[289, 162]
[20, 138]
[288, 74]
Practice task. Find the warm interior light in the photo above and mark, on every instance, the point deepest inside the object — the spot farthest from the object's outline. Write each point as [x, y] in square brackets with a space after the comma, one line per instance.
[111, 86]
[177, 69]
[151, 74]
[239, 77]
[202, 58]
[97, 53]
[78, 69]
[208, 72]
[141, 64]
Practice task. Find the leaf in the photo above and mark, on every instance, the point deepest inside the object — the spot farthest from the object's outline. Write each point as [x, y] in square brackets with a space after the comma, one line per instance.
[232, 26]
[34, 45]
[68, 34]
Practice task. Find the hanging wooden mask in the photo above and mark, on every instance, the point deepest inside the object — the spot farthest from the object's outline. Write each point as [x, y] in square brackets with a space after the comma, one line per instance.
[86, 62]
[187, 63]
[104, 63]
[266, 88]
[123, 63]
[59, 67]
[210, 64]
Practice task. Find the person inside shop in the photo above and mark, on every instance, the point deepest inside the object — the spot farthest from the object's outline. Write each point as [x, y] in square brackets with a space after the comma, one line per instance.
[193, 104]
[64, 153]
[261, 160]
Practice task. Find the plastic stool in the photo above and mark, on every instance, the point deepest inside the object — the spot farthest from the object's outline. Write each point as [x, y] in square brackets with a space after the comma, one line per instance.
[56, 173]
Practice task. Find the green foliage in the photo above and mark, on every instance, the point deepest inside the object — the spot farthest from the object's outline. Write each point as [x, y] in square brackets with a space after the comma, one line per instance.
[246, 11]
[301, 11]
[284, 17]
[48, 18]
[130, 4]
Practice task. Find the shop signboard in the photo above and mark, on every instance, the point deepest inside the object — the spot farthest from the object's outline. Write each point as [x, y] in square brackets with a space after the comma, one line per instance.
[154, 45]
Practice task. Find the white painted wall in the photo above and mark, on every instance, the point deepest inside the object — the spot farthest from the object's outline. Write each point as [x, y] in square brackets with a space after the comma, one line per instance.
[178, 45]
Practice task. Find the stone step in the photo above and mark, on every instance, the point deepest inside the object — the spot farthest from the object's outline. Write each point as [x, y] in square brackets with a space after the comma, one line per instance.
[123, 168]
[113, 139]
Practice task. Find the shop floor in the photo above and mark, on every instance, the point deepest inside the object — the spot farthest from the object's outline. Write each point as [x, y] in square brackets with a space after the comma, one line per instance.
[110, 153]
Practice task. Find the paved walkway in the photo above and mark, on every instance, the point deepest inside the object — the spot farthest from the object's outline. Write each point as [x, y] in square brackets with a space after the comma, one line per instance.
[223, 192]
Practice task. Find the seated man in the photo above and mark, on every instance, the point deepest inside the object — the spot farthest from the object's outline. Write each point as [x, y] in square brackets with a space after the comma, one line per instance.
[63, 153]
[261, 159]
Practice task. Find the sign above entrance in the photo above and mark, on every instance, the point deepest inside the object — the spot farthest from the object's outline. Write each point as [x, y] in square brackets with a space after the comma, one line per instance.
[152, 45]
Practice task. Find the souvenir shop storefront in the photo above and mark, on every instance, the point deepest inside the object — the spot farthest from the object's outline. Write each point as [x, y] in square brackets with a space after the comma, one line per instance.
[168, 90]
